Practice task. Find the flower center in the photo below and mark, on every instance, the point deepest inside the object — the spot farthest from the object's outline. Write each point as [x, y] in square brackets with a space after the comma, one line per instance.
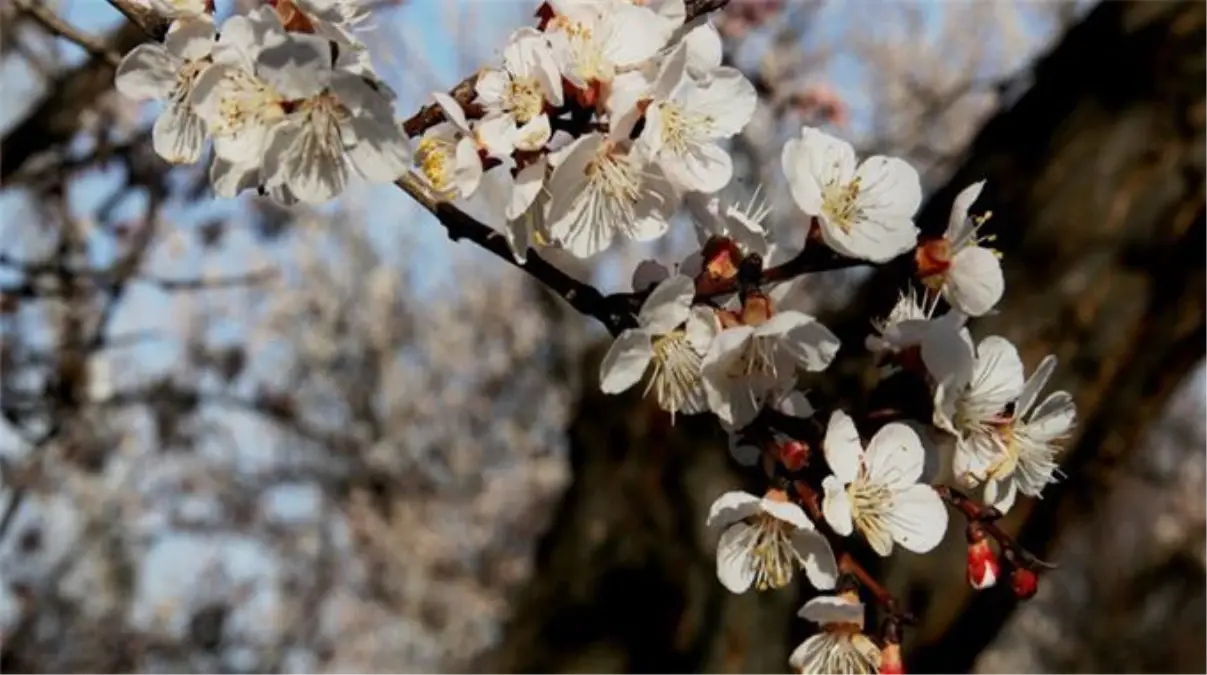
[246, 100]
[840, 204]
[757, 359]
[676, 378]
[679, 129]
[870, 503]
[434, 156]
[524, 99]
[772, 553]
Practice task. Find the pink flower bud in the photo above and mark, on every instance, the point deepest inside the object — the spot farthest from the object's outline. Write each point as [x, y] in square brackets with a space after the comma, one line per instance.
[1024, 583]
[983, 567]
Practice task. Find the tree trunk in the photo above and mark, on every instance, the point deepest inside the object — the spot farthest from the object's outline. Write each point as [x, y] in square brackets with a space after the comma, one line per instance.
[1096, 181]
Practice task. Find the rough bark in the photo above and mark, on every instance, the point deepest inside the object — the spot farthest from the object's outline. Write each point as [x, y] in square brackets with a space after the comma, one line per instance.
[1096, 181]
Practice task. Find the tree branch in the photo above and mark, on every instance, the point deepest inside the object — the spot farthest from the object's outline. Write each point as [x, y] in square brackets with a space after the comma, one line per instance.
[55, 25]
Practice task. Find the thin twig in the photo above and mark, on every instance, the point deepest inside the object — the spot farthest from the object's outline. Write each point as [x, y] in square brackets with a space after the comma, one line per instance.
[55, 25]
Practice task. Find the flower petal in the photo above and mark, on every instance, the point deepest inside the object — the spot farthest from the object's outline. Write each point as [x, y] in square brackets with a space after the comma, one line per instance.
[1034, 385]
[734, 568]
[974, 282]
[731, 507]
[788, 512]
[918, 518]
[668, 305]
[842, 447]
[836, 506]
[997, 377]
[895, 456]
[625, 362]
[649, 273]
[148, 72]
[1000, 494]
[178, 134]
[830, 609]
[957, 222]
[820, 566]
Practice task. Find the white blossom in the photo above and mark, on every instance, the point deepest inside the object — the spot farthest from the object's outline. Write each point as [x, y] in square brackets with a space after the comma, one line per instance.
[745, 364]
[337, 123]
[877, 491]
[671, 337]
[447, 154]
[604, 187]
[239, 106]
[1023, 457]
[169, 72]
[520, 91]
[865, 211]
[592, 42]
[840, 646]
[685, 122]
[716, 217]
[968, 275]
[973, 387]
[765, 540]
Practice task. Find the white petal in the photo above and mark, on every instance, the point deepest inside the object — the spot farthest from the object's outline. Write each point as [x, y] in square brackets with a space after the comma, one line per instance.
[957, 222]
[997, 378]
[491, 85]
[812, 161]
[715, 370]
[380, 153]
[704, 49]
[229, 179]
[315, 171]
[889, 188]
[795, 404]
[802, 658]
[706, 168]
[528, 184]
[468, 171]
[1001, 494]
[788, 512]
[668, 305]
[744, 454]
[672, 74]
[497, 134]
[842, 447]
[148, 72]
[534, 135]
[810, 343]
[728, 99]
[625, 362]
[631, 34]
[702, 328]
[895, 456]
[568, 221]
[830, 609]
[973, 456]
[191, 39]
[820, 566]
[1034, 385]
[974, 282]
[178, 134]
[1053, 418]
[731, 507]
[918, 518]
[836, 506]
[734, 568]
[298, 68]
[452, 111]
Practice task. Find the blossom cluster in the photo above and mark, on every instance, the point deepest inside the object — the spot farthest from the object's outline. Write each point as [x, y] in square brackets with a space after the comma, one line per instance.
[599, 123]
[286, 91]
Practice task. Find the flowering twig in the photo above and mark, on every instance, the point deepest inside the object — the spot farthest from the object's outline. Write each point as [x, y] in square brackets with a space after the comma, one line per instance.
[431, 115]
[986, 517]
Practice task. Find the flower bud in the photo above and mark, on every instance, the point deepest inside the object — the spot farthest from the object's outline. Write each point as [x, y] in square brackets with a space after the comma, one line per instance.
[721, 258]
[890, 659]
[983, 567]
[794, 455]
[1024, 583]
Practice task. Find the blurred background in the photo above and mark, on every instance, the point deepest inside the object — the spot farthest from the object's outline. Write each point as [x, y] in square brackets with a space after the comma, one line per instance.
[239, 438]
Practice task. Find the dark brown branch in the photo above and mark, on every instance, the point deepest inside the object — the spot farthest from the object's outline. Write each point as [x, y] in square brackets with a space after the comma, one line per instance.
[986, 518]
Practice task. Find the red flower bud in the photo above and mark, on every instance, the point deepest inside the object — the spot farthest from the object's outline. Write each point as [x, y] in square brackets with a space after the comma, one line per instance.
[983, 567]
[1024, 583]
[794, 455]
[890, 660]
